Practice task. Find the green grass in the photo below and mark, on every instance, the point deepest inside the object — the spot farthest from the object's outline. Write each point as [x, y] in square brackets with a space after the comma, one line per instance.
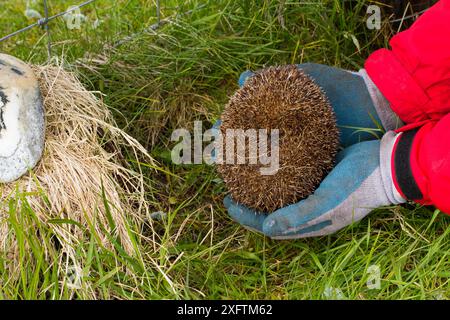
[163, 80]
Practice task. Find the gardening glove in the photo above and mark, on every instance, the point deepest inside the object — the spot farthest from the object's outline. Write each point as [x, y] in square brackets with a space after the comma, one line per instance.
[360, 108]
[360, 182]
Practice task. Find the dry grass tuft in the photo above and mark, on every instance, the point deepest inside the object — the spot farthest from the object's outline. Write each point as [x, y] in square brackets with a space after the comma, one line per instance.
[82, 166]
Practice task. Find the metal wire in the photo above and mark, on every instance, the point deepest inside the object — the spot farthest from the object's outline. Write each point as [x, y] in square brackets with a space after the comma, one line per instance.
[410, 16]
[155, 26]
[47, 31]
[158, 11]
[46, 20]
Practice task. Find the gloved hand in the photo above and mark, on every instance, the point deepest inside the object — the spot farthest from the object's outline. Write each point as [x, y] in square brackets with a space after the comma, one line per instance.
[356, 101]
[360, 182]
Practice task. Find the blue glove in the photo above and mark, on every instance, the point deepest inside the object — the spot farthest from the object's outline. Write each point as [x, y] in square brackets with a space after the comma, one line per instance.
[356, 101]
[360, 182]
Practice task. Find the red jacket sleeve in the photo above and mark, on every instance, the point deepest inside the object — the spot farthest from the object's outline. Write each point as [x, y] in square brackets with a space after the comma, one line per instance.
[415, 75]
[421, 164]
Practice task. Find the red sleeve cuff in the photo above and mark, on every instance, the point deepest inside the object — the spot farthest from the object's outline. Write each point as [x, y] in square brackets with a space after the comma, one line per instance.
[403, 176]
[407, 98]
[421, 164]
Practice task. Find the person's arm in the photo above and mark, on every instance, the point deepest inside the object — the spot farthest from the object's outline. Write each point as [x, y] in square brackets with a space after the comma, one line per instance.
[421, 164]
[415, 78]
[414, 75]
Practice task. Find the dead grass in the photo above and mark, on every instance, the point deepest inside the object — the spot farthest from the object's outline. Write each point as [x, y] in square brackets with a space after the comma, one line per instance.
[83, 178]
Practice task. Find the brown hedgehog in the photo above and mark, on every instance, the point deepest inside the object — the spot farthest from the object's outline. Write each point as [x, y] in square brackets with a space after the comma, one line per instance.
[282, 98]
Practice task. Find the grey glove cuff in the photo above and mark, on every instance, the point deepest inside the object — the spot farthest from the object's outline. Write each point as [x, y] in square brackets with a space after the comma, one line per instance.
[389, 119]
[386, 148]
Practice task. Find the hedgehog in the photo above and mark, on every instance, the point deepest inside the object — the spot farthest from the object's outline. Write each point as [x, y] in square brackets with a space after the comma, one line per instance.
[285, 99]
